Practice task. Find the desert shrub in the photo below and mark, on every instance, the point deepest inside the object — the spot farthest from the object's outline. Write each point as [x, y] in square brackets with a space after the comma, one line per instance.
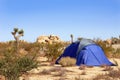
[31, 47]
[53, 51]
[12, 64]
[116, 53]
[6, 46]
[24, 48]
[67, 61]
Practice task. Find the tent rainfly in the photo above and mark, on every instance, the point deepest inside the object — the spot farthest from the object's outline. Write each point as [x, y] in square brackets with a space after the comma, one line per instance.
[86, 52]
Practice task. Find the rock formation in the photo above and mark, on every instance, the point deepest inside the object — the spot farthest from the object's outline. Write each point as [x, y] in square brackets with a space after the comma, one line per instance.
[48, 39]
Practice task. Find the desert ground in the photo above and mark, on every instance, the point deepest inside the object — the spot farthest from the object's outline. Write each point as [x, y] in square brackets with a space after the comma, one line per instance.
[48, 71]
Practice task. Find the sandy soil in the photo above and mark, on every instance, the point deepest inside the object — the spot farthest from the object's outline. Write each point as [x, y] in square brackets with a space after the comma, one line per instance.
[56, 72]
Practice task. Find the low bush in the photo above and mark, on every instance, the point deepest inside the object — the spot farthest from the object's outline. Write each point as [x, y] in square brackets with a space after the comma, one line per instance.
[12, 66]
[53, 51]
[67, 61]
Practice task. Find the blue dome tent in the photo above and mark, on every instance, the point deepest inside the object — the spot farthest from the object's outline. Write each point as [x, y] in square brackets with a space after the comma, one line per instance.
[86, 52]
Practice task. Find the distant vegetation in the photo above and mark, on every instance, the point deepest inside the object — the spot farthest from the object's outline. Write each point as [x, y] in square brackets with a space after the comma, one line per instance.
[19, 56]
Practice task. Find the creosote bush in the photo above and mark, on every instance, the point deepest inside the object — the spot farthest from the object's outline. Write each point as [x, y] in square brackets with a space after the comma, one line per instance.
[53, 51]
[12, 66]
[67, 61]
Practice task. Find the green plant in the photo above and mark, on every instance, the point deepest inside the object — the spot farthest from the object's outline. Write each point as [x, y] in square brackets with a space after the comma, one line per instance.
[13, 65]
[53, 51]
[67, 61]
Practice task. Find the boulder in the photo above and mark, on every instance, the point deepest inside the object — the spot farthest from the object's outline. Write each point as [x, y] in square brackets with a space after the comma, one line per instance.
[48, 39]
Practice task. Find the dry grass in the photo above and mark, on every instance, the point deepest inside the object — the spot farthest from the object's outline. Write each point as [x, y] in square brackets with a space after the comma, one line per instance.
[67, 61]
[111, 75]
[107, 68]
[45, 72]
[67, 73]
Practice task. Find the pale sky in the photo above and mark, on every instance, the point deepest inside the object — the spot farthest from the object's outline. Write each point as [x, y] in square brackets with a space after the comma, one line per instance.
[82, 18]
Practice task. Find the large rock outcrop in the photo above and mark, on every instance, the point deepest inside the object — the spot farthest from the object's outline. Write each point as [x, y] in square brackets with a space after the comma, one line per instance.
[48, 39]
